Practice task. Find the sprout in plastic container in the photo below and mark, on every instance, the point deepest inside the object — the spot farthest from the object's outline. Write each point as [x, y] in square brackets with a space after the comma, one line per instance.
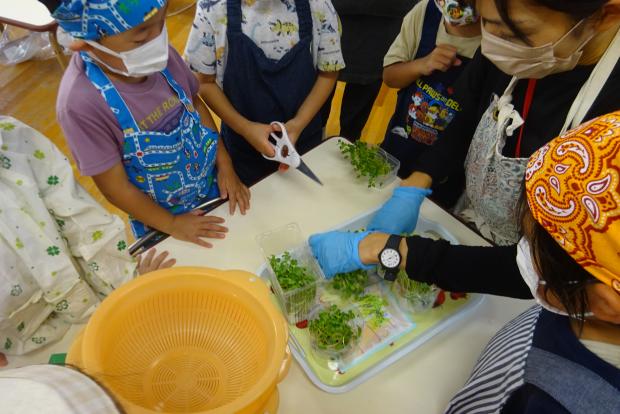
[298, 285]
[414, 296]
[370, 162]
[334, 332]
[350, 285]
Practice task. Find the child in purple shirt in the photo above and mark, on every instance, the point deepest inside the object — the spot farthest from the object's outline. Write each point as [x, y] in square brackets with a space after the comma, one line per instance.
[130, 110]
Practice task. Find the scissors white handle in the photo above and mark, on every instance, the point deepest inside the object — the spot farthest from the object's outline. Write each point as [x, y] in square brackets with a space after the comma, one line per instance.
[285, 152]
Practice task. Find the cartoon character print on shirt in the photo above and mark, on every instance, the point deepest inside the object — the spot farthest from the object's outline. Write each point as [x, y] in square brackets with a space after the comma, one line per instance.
[208, 4]
[455, 11]
[430, 111]
[290, 5]
[272, 25]
[283, 28]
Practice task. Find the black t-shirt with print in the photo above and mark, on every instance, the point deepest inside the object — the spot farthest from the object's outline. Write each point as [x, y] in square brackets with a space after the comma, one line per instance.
[552, 100]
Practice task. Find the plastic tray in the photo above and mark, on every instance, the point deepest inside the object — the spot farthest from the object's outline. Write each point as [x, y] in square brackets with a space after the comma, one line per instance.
[342, 376]
[383, 180]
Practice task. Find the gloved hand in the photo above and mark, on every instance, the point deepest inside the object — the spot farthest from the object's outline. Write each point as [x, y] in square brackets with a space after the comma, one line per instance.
[399, 214]
[338, 251]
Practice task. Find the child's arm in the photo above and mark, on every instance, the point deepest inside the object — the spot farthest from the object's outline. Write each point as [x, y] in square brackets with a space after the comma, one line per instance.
[323, 87]
[402, 74]
[119, 191]
[228, 181]
[255, 133]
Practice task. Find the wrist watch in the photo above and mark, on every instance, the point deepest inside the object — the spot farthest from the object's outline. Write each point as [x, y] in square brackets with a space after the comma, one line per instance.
[390, 258]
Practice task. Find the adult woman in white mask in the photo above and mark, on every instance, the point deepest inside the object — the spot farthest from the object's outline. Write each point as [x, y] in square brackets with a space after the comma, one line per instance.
[544, 67]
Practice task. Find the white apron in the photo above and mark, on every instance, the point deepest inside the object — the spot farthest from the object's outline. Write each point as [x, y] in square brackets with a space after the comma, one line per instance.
[60, 251]
[493, 181]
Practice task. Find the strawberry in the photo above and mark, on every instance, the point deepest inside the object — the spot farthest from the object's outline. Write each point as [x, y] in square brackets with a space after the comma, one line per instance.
[458, 295]
[441, 298]
[303, 324]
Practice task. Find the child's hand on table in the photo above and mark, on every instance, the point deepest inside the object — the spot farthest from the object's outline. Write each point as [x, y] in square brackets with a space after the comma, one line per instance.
[232, 188]
[192, 226]
[442, 58]
[149, 262]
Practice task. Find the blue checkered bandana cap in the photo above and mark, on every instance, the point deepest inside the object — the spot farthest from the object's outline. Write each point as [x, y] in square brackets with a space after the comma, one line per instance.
[94, 19]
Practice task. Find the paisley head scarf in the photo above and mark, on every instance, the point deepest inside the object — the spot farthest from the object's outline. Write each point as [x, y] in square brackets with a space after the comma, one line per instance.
[572, 186]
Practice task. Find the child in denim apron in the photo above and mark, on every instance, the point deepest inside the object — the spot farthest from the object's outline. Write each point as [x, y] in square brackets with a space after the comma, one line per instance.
[426, 105]
[171, 168]
[261, 62]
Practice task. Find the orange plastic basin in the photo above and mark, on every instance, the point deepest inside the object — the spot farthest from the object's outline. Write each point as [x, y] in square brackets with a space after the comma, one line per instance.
[186, 340]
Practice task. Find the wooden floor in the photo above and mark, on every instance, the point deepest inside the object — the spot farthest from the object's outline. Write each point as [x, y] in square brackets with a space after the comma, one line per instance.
[28, 93]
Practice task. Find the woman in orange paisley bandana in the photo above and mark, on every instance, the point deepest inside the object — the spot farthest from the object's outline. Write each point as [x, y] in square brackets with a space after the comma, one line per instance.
[569, 256]
[562, 355]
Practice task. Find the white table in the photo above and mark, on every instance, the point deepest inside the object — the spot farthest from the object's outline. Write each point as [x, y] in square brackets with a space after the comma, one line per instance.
[29, 11]
[423, 381]
[34, 16]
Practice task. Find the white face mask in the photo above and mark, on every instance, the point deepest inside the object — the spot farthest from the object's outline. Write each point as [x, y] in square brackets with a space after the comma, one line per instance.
[526, 62]
[144, 60]
[530, 276]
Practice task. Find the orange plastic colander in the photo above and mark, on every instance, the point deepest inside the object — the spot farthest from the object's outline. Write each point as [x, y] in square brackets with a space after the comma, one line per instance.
[188, 340]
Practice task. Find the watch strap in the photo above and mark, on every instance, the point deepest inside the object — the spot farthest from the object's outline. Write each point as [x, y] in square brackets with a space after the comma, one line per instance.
[393, 242]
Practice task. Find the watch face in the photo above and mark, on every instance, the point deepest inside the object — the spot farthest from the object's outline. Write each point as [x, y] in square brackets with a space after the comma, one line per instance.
[390, 258]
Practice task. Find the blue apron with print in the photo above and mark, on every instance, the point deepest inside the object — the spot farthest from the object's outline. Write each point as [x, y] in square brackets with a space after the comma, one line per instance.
[426, 107]
[177, 168]
[266, 90]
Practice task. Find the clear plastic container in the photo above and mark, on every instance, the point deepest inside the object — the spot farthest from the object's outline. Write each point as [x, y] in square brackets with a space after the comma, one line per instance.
[382, 180]
[385, 180]
[297, 303]
[337, 351]
[414, 297]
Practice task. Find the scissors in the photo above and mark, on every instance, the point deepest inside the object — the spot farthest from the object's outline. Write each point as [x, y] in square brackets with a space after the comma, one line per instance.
[286, 153]
[154, 237]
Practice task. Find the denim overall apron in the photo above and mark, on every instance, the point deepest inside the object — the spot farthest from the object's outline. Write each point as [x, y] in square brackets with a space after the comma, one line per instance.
[266, 90]
[425, 108]
[177, 168]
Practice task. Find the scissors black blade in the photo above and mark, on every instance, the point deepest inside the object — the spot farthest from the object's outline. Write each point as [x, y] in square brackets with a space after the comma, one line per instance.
[308, 172]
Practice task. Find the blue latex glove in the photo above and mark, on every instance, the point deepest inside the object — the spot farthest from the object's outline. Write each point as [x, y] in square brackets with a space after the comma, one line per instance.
[399, 215]
[338, 251]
